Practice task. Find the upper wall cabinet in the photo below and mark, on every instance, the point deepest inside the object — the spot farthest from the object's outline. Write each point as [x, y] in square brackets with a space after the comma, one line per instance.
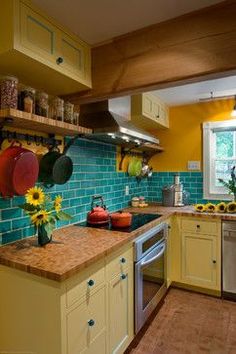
[149, 112]
[40, 52]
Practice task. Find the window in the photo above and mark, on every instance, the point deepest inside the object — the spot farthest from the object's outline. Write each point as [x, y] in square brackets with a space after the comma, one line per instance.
[219, 156]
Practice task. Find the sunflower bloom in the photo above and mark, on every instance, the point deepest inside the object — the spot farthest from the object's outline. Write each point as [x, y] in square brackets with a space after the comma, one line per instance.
[39, 218]
[58, 200]
[199, 208]
[35, 196]
[210, 208]
[57, 207]
[221, 207]
[231, 207]
[57, 203]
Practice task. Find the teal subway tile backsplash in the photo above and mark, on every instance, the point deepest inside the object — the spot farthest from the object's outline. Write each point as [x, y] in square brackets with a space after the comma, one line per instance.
[94, 173]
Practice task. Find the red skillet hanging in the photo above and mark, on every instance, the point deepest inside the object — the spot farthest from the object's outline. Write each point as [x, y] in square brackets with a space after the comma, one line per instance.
[19, 170]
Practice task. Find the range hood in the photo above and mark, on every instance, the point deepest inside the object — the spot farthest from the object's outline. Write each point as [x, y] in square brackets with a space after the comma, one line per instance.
[110, 121]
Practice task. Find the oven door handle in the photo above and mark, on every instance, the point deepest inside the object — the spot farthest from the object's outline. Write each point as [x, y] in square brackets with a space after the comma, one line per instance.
[145, 262]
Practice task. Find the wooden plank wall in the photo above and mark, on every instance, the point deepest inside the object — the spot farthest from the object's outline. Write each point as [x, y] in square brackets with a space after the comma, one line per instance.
[197, 45]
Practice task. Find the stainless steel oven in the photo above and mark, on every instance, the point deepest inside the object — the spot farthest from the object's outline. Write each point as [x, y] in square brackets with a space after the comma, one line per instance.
[150, 272]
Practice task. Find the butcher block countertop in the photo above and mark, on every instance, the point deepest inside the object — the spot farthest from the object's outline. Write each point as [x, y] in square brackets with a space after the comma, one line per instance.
[74, 248]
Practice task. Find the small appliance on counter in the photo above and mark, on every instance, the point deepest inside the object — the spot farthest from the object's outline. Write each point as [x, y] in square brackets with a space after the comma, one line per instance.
[178, 194]
[175, 195]
[168, 196]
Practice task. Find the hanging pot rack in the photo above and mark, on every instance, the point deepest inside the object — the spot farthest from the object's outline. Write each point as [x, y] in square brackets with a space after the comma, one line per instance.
[29, 138]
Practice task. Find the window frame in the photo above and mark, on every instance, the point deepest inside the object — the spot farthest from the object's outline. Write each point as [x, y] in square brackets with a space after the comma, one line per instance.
[208, 152]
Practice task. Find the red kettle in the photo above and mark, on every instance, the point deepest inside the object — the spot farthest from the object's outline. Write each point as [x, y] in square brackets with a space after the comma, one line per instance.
[98, 214]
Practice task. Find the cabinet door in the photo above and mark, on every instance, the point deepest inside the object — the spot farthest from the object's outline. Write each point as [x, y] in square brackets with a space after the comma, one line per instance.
[85, 325]
[147, 105]
[155, 110]
[120, 311]
[163, 116]
[37, 35]
[74, 56]
[200, 261]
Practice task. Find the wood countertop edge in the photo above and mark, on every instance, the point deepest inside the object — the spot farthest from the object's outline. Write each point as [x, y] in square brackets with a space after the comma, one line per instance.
[63, 276]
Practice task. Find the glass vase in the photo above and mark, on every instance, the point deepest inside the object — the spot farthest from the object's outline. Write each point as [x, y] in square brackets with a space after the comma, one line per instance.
[43, 237]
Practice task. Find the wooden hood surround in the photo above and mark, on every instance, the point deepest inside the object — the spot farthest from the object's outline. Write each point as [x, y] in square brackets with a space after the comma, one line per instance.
[189, 48]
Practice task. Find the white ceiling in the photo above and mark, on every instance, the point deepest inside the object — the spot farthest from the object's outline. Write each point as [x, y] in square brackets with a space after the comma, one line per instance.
[96, 21]
[192, 93]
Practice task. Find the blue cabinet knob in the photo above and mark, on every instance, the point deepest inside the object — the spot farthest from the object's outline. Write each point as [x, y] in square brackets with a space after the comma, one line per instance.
[91, 323]
[123, 276]
[59, 60]
[91, 282]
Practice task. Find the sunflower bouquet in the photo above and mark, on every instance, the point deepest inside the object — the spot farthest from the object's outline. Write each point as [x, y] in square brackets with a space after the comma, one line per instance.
[43, 212]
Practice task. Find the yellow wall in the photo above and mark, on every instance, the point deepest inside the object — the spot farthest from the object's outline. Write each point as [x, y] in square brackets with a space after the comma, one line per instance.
[182, 142]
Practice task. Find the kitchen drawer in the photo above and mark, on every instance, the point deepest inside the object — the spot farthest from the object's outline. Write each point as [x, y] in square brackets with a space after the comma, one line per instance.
[200, 226]
[119, 262]
[85, 325]
[83, 284]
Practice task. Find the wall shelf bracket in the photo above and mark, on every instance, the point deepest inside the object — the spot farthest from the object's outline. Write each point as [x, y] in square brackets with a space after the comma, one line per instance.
[144, 151]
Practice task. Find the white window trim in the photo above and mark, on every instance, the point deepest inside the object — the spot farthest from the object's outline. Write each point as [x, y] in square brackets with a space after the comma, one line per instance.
[207, 153]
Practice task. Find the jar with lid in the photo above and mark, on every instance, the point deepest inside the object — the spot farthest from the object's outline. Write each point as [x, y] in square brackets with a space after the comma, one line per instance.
[57, 109]
[41, 105]
[9, 92]
[135, 202]
[142, 201]
[27, 100]
[76, 118]
[69, 112]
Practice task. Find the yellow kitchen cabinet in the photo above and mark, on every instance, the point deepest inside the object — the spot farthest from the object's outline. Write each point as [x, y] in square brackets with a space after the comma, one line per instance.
[174, 251]
[86, 325]
[196, 254]
[40, 52]
[149, 112]
[200, 260]
[201, 252]
[76, 316]
[120, 302]
[168, 265]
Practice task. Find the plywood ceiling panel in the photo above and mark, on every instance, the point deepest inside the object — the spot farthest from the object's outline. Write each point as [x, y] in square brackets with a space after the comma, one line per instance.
[96, 21]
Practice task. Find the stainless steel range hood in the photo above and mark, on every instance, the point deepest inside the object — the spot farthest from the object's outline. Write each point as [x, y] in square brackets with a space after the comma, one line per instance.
[110, 121]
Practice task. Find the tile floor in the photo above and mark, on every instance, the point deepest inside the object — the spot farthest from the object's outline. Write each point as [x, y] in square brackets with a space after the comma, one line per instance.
[190, 323]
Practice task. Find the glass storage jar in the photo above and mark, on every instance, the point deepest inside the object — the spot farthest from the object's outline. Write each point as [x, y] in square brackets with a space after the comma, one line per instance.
[9, 92]
[142, 201]
[76, 118]
[27, 100]
[135, 202]
[41, 105]
[57, 109]
[69, 112]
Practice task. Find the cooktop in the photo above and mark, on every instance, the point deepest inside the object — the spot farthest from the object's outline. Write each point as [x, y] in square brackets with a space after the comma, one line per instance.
[138, 220]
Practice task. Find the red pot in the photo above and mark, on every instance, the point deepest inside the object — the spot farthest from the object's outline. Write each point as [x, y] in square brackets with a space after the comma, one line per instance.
[121, 219]
[98, 214]
[19, 170]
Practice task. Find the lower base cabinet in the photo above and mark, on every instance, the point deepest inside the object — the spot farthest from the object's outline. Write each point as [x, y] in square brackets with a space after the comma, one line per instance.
[86, 325]
[90, 313]
[120, 311]
[196, 254]
[199, 262]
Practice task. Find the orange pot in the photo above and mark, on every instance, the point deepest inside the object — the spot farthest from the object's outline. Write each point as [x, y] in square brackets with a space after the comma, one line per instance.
[121, 219]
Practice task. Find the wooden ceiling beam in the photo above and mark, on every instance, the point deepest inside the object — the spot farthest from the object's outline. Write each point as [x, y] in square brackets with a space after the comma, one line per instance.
[201, 44]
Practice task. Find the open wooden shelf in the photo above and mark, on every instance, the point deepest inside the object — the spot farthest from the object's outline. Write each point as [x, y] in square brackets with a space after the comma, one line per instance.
[18, 119]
